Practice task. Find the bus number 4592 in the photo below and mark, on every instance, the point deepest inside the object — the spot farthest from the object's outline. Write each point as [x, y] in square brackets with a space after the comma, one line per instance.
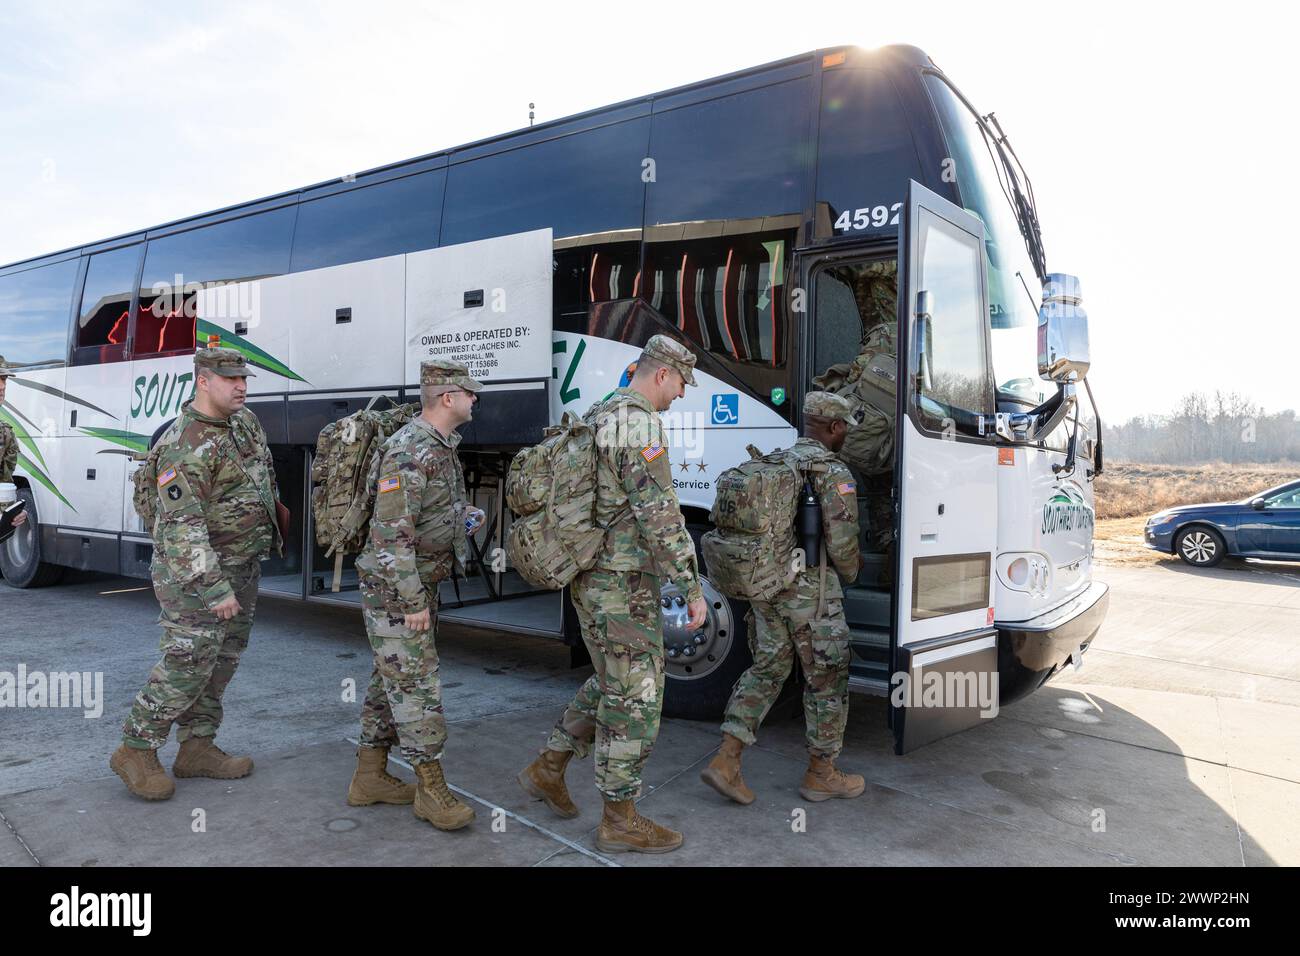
[868, 217]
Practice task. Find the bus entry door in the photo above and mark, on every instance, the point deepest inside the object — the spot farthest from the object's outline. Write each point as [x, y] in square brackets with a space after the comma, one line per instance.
[943, 647]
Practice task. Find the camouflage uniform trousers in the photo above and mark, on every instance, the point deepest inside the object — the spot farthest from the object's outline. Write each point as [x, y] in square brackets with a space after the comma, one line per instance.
[403, 702]
[778, 630]
[200, 655]
[618, 707]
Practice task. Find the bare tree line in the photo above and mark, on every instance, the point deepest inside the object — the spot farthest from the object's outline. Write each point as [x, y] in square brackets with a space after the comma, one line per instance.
[1225, 426]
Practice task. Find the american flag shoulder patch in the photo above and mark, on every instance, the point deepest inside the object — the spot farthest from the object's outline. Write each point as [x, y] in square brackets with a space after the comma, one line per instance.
[391, 483]
[651, 452]
[847, 487]
[167, 476]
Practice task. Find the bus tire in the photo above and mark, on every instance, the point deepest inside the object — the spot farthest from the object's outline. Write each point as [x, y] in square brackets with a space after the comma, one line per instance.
[20, 554]
[693, 695]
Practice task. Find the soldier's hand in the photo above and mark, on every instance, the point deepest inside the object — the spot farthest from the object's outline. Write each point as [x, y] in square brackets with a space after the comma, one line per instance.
[227, 608]
[20, 518]
[418, 622]
[698, 611]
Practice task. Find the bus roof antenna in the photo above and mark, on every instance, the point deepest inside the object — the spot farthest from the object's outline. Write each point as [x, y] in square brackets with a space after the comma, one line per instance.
[531, 107]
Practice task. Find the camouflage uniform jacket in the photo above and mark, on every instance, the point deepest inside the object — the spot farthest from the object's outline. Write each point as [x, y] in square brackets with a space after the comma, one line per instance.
[216, 500]
[838, 495]
[8, 452]
[419, 516]
[635, 498]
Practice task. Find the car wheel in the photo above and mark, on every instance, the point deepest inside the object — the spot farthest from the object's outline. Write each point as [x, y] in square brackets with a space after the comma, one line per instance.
[1201, 547]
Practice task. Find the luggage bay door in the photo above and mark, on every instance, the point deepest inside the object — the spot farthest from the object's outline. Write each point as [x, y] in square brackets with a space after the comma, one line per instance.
[943, 647]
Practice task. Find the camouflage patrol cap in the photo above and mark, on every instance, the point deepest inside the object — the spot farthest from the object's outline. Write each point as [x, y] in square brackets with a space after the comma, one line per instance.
[672, 353]
[224, 362]
[5, 370]
[830, 406]
[444, 375]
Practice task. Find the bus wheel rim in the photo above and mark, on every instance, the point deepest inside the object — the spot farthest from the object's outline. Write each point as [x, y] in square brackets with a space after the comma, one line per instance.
[691, 655]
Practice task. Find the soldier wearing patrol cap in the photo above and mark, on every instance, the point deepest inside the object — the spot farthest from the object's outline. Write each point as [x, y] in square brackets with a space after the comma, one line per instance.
[420, 526]
[807, 621]
[217, 517]
[617, 710]
[8, 443]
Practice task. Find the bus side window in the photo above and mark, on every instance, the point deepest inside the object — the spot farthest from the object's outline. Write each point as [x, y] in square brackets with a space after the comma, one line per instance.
[370, 222]
[34, 309]
[588, 274]
[579, 185]
[727, 294]
[176, 266]
[105, 309]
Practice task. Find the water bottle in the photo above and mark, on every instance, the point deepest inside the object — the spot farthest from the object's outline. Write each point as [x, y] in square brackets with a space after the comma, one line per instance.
[810, 525]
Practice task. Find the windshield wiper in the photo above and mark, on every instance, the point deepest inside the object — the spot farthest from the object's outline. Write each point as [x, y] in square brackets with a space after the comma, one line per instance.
[1021, 197]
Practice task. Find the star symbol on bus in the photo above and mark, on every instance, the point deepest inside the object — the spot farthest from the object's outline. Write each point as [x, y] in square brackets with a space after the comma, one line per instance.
[701, 466]
[685, 466]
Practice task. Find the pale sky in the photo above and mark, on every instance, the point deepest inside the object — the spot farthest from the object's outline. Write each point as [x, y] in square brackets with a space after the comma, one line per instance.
[1160, 141]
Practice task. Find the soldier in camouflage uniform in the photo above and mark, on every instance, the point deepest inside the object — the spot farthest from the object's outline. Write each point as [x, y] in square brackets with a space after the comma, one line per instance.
[805, 621]
[217, 501]
[617, 602]
[419, 527]
[869, 381]
[8, 441]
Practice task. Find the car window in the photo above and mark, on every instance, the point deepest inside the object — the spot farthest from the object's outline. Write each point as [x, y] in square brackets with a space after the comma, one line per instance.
[1287, 499]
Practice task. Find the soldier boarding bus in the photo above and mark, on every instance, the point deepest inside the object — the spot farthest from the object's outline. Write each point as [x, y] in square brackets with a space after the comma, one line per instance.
[770, 219]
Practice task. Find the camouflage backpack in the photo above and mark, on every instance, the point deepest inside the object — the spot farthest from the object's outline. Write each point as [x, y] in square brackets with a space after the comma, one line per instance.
[144, 492]
[343, 494]
[750, 550]
[551, 488]
[869, 382]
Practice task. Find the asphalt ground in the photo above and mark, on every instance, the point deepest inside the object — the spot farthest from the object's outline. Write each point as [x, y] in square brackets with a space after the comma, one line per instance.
[1178, 742]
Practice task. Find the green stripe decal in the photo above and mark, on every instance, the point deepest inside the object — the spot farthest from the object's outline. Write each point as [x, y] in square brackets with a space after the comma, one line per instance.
[21, 434]
[129, 440]
[40, 476]
[255, 356]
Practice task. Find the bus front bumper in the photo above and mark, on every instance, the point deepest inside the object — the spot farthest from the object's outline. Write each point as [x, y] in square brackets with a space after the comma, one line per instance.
[1029, 652]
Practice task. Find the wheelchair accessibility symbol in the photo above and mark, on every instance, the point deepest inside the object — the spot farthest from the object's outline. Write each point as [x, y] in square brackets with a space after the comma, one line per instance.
[726, 409]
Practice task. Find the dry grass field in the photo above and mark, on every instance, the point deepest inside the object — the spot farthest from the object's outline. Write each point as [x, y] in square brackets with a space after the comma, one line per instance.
[1128, 493]
[1129, 490]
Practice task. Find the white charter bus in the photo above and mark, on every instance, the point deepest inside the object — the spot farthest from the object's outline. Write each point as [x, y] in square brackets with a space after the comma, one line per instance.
[745, 215]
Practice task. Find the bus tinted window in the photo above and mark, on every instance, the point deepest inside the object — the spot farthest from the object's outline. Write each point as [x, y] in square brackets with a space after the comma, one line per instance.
[249, 248]
[577, 185]
[34, 310]
[587, 274]
[727, 294]
[736, 157]
[865, 155]
[106, 297]
[369, 223]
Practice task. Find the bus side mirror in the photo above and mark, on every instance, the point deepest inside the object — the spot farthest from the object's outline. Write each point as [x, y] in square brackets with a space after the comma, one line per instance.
[922, 345]
[1063, 353]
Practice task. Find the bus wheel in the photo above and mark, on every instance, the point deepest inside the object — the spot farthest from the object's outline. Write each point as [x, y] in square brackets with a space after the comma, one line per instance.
[20, 554]
[701, 667]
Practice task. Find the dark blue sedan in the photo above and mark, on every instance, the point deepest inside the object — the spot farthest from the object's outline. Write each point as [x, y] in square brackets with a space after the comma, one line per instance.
[1266, 525]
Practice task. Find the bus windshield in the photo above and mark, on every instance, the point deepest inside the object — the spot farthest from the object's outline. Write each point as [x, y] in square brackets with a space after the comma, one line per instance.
[1013, 314]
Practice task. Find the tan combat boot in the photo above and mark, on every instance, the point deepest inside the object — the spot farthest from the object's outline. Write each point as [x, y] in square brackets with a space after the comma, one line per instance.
[372, 783]
[622, 829]
[543, 779]
[200, 757]
[823, 781]
[142, 773]
[435, 802]
[723, 771]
